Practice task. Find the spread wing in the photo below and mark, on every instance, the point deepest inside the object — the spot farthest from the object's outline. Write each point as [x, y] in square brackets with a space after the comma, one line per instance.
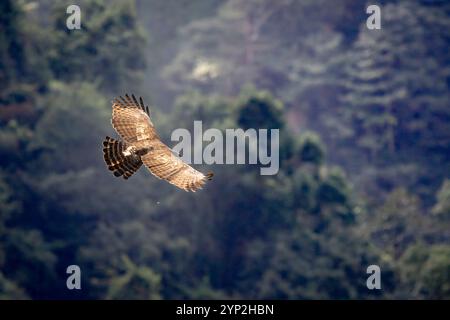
[132, 122]
[165, 165]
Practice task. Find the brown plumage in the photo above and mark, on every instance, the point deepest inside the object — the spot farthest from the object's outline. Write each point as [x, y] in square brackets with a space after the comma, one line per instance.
[142, 145]
[115, 160]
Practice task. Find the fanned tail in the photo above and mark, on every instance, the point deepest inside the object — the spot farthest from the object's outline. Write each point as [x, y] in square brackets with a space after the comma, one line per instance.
[119, 164]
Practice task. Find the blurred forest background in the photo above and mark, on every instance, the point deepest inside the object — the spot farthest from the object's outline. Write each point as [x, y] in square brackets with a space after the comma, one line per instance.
[364, 118]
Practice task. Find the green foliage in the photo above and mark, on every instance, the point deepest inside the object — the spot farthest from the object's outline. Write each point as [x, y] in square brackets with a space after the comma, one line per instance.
[204, 290]
[364, 147]
[18, 69]
[259, 110]
[9, 290]
[108, 50]
[321, 222]
[442, 207]
[396, 106]
[162, 41]
[311, 148]
[398, 223]
[79, 106]
[258, 42]
[212, 110]
[426, 270]
[135, 283]
[11, 48]
[382, 79]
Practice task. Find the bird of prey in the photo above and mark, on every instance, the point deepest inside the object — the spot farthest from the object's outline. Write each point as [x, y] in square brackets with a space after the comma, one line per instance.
[141, 144]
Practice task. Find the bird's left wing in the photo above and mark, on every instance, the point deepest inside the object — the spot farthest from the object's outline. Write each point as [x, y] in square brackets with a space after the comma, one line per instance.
[165, 165]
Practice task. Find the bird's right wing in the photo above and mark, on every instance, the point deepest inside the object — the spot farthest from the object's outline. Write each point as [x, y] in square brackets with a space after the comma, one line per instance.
[131, 119]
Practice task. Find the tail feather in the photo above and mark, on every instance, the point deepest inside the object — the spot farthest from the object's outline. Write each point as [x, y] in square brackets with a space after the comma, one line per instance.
[119, 164]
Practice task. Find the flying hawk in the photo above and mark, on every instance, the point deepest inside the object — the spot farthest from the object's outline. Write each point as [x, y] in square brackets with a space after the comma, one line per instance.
[142, 145]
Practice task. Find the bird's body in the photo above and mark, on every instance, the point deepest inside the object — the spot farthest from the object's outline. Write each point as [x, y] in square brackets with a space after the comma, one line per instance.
[142, 145]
